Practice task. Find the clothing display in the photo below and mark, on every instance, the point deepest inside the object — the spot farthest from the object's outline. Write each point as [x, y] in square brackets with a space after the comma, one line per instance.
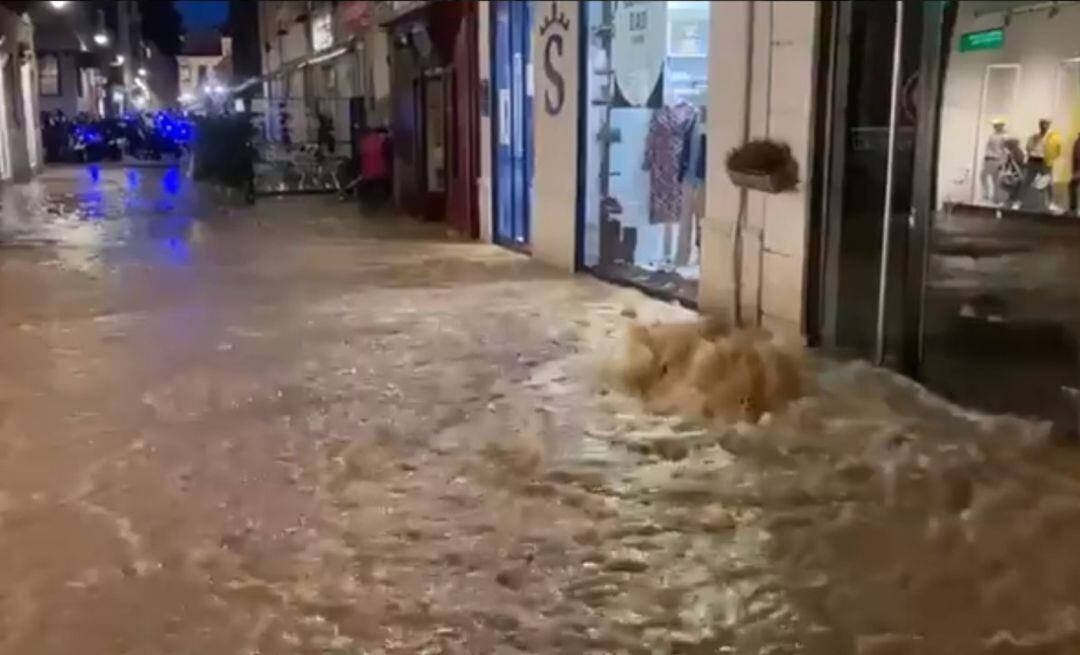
[1011, 176]
[1043, 148]
[664, 147]
[647, 95]
[692, 164]
[692, 177]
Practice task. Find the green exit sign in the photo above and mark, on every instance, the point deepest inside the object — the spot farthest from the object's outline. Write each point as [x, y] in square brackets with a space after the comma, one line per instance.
[984, 40]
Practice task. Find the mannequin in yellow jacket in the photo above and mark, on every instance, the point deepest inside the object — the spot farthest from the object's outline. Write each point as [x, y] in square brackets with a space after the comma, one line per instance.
[1043, 148]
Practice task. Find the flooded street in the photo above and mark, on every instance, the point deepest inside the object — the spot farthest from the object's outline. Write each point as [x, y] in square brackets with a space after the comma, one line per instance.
[287, 429]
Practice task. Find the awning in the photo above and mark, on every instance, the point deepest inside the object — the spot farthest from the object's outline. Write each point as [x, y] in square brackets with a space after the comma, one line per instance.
[328, 53]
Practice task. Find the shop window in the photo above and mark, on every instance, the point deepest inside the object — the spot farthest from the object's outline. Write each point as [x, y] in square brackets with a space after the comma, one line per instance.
[998, 329]
[48, 74]
[185, 73]
[646, 124]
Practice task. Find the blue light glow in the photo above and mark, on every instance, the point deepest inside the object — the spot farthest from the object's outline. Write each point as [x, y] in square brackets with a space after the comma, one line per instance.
[171, 181]
[177, 251]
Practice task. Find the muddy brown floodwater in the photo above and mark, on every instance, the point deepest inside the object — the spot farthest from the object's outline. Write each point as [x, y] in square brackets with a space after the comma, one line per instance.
[288, 429]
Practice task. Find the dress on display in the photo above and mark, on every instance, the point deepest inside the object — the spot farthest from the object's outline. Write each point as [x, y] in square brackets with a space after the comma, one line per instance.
[664, 147]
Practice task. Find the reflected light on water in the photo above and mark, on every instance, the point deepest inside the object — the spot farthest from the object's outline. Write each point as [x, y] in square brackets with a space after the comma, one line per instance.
[171, 181]
[177, 251]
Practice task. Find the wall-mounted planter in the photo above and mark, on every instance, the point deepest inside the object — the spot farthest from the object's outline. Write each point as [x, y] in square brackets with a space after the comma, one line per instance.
[767, 182]
[763, 165]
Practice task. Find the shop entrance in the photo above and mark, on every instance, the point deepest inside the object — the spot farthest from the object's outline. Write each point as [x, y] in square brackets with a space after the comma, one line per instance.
[1001, 319]
[949, 245]
[434, 74]
[511, 72]
[871, 115]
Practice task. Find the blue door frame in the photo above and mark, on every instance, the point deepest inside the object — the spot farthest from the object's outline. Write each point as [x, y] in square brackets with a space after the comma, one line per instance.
[512, 121]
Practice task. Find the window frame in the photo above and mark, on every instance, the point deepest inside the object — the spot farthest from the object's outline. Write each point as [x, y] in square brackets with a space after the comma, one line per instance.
[59, 90]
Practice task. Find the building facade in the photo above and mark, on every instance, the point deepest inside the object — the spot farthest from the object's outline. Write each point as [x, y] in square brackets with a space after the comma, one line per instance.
[315, 70]
[199, 66]
[93, 60]
[590, 107]
[68, 74]
[20, 138]
[933, 224]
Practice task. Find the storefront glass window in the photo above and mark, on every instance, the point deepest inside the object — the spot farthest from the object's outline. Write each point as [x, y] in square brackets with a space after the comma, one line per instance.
[1001, 310]
[49, 74]
[645, 89]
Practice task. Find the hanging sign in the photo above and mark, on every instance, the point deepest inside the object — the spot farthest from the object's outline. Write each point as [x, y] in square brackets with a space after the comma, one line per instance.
[638, 52]
[985, 40]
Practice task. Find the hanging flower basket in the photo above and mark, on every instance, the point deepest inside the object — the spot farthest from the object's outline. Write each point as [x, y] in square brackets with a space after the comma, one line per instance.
[763, 165]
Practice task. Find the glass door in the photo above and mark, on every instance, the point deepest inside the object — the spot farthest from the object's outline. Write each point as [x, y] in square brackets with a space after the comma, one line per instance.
[1000, 322]
[875, 57]
[512, 73]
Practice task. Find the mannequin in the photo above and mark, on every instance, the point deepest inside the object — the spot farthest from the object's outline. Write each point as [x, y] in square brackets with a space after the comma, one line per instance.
[993, 159]
[664, 147]
[692, 174]
[1043, 148]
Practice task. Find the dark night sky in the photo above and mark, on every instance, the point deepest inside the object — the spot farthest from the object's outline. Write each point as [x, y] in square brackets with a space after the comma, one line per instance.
[201, 15]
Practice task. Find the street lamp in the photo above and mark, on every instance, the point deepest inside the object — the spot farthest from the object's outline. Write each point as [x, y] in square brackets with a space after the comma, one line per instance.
[101, 37]
[58, 4]
[119, 60]
[142, 72]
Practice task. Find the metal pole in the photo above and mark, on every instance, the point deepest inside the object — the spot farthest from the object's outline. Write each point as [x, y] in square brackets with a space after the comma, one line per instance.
[886, 218]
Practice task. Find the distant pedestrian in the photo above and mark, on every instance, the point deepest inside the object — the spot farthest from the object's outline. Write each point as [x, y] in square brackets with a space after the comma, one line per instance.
[375, 157]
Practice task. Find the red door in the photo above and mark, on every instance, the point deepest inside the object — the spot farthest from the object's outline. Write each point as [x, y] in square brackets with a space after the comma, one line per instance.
[463, 200]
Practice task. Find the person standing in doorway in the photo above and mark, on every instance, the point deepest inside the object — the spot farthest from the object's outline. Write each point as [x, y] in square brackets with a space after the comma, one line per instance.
[993, 159]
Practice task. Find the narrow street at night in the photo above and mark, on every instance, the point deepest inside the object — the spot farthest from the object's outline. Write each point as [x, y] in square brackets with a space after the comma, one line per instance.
[289, 429]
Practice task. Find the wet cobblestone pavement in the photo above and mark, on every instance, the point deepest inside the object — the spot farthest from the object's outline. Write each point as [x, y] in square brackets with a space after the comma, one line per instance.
[285, 429]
